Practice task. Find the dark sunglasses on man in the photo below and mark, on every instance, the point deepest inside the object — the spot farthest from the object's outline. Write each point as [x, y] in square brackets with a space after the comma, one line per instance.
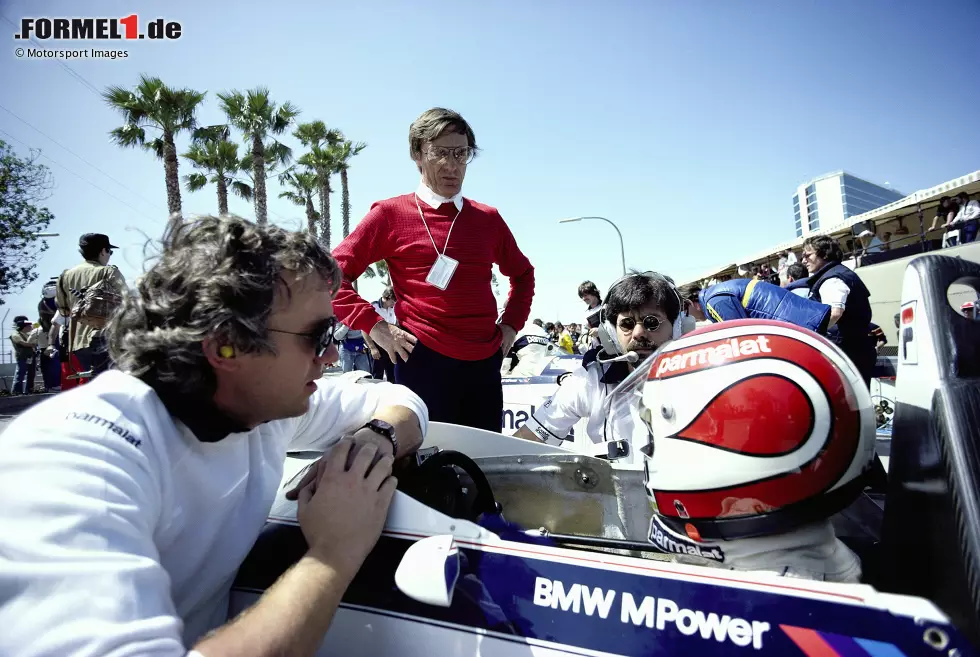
[321, 338]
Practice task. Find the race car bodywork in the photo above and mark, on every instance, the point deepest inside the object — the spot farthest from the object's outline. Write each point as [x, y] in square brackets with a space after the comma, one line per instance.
[592, 583]
[530, 375]
[475, 592]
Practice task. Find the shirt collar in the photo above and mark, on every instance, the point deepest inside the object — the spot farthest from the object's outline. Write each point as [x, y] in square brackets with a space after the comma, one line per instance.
[433, 200]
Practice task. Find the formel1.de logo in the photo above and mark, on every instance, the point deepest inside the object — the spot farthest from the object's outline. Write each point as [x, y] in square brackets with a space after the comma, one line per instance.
[97, 29]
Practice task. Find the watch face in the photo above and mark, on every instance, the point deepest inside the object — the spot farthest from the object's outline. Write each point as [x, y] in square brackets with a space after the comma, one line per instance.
[382, 426]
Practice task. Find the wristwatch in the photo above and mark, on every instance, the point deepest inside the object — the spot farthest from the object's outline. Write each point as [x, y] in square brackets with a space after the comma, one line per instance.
[382, 428]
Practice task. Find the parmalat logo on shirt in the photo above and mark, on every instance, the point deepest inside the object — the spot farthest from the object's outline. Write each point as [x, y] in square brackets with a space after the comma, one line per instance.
[111, 426]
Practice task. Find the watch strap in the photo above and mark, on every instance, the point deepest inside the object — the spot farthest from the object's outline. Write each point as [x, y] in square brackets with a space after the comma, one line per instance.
[384, 429]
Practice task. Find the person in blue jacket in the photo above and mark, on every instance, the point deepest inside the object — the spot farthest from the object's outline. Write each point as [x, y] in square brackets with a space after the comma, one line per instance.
[743, 298]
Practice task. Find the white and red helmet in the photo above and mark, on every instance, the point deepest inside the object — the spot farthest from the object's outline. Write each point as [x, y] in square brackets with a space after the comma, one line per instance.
[757, 427]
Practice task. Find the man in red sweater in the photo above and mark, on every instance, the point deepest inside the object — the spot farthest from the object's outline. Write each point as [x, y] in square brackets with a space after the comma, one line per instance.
[448, 345]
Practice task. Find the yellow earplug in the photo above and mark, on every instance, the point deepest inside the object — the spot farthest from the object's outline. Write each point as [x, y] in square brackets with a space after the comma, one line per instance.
[227, 351]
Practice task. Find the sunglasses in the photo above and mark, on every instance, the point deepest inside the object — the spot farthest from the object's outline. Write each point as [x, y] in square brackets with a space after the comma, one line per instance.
[321, 338]
[650, 323]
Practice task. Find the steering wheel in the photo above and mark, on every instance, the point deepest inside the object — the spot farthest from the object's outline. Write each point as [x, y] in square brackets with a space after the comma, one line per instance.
[436, 484]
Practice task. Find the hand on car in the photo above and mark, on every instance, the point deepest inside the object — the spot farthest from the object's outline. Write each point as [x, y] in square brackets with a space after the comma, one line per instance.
[395, 341]
[358, 439]
[343, 509]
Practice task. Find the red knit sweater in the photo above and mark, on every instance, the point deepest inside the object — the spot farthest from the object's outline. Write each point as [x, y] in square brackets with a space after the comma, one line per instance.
[461, 321]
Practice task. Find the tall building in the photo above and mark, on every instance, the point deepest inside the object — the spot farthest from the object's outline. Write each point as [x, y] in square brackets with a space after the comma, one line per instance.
[832, 198]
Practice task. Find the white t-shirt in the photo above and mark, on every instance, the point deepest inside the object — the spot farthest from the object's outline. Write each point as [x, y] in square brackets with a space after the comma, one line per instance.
[40, 337]
[122, 532]
[833, 292]
[801, 292]
[969, 211]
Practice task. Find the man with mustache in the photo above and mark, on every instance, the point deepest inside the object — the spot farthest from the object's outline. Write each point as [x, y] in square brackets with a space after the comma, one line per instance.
[640, 315]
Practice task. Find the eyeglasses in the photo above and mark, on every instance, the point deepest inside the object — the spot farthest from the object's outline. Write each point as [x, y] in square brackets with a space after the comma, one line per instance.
[650, 323]
[807, 256]
[462, 155]
[321, 339]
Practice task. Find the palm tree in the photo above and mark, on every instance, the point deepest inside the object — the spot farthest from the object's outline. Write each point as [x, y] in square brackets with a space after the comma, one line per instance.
[217, 156]
[322, 159]
[344, 153]
[154, 105]
[277, 155]
[257, 116]
[304, 186]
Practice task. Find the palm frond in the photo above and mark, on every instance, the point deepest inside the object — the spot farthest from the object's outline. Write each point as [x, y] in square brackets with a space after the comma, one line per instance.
[311, 133]
[242, 190]
[294, 197]
[343, 153]
[220, 132]
[277, 153]
[125, 101]
[155, 146]
[234, 105]
[195, 181]
[334, 137]
[128, 136]
[283, 118]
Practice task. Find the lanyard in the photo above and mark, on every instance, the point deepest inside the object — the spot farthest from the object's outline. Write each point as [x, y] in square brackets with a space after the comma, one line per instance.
[448, 235]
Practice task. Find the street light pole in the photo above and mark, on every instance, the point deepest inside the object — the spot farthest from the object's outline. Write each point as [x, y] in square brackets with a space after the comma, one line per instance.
[622, 251]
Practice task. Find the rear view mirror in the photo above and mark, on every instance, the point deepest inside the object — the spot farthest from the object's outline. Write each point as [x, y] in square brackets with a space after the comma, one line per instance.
[428, 571]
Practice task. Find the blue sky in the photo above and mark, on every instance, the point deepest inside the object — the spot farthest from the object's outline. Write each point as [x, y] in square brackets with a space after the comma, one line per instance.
[688, 123]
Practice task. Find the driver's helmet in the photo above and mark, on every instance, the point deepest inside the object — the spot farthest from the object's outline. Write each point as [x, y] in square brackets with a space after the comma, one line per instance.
[756, 428]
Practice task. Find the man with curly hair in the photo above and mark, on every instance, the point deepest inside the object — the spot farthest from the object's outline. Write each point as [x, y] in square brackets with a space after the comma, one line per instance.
[130, 502]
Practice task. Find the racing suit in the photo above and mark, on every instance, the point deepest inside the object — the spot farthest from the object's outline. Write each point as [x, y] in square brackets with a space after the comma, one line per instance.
[809, 552]
[581, 395]
[127, 510]
[744, 298]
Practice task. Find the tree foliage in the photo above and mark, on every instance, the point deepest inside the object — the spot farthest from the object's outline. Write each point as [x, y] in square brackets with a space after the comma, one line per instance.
[254, 113]
[24, 185]
[322, 159]
[302, 186]
[167, 111]
[216, 155]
